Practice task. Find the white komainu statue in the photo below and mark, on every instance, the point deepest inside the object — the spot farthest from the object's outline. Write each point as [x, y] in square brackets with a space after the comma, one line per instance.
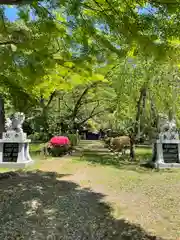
[168, 129]
[15, 123]
[8, 124]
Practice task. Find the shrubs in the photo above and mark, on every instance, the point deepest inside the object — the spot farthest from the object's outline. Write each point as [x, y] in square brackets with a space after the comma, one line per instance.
[59, 145]
[39, 136]
[57, 151]
[74, 139]
[107, 141]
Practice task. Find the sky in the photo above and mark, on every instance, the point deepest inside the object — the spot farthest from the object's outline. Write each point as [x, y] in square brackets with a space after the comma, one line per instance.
[11, 13]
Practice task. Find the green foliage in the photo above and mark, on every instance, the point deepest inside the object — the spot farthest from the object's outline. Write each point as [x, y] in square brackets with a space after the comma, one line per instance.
[106, 25]
[39, 136]
[74, 139]
[90, 61]
[57, 151]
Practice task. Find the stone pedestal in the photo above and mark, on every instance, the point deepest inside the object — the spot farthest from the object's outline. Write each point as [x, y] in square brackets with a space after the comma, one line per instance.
[14, 150]
[166, 150]
[166, 154]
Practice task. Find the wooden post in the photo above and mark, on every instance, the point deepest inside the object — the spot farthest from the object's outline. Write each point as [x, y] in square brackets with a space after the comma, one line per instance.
[2, 116]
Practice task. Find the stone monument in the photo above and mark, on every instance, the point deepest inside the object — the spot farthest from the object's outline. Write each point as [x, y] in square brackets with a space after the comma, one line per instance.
[14, 145]
[166, 149]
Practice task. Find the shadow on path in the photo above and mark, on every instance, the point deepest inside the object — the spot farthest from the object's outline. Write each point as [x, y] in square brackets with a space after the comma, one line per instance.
[38, 205]
[95, 153]
[121, 162]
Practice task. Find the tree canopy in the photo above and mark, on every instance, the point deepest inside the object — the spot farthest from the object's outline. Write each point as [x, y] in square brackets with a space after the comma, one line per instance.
[103, 59]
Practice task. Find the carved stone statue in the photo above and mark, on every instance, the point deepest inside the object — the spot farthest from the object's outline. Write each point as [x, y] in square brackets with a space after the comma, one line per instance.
[163, 122]
[8, 124]
[168, 129]
[14, 145]
[15, 124]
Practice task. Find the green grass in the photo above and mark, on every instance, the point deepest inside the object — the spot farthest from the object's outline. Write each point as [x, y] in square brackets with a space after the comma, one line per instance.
[91, 196]
[35, 147]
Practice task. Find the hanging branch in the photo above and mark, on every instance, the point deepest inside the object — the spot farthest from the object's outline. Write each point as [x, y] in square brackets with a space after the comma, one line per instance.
[79, 101]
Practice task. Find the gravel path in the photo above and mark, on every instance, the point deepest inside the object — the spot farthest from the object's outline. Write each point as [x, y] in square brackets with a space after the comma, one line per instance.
[35, 205]
[44, 205]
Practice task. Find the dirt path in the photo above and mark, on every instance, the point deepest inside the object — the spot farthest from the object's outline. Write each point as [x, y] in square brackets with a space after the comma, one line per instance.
[131, 203]
[73, 199]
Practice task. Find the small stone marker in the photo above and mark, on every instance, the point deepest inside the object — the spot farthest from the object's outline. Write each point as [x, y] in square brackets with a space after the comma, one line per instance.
[170, 152]
[14, 145]
[166, 149]
[10, 152]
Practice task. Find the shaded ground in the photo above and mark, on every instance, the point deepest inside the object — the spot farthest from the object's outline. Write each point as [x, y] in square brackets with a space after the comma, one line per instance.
[94, 152]
[38, 205]
[74, 198]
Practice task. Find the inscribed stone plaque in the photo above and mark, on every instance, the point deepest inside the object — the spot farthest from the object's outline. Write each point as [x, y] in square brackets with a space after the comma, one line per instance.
[10, 152]
[170, 152]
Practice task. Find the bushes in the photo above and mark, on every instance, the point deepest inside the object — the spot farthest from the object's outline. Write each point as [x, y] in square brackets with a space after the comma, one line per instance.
[39, 136]
[60, 145]
[74, 139]
[57, 151]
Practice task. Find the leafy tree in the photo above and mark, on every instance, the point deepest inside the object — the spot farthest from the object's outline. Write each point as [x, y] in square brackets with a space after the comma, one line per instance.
[69, 110]
[75, 43]
[145, 88]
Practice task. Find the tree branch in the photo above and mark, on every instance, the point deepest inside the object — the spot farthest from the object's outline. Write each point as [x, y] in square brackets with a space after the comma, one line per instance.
[92, 112]
[67, 106]
[92, 115]
[53, 94]
[164, 2]
[78, 103]
[104, 41]
[8, 42]
[7, 2]
[51, 98]
[93, 9]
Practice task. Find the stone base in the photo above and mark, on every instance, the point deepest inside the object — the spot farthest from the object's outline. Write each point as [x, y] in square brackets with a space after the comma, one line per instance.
[166, 165]
[13, 136]
[16, 164]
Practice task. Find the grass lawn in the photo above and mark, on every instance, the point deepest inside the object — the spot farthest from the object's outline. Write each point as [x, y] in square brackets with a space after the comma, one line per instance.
[90, 196]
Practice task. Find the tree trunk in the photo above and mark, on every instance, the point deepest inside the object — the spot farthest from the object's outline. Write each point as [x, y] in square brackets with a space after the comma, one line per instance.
[2, 116]
[132, 150]
[79, 101]
[59, 111]
[140, 108]
[154, 113]
[45, 108]
[45, 120]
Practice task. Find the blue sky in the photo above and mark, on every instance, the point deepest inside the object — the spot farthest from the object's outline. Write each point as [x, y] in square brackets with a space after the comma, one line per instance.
[147, 10]
[11, 13]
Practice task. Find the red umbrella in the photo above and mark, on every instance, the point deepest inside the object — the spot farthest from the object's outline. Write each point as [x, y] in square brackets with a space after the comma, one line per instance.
[60, 140]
